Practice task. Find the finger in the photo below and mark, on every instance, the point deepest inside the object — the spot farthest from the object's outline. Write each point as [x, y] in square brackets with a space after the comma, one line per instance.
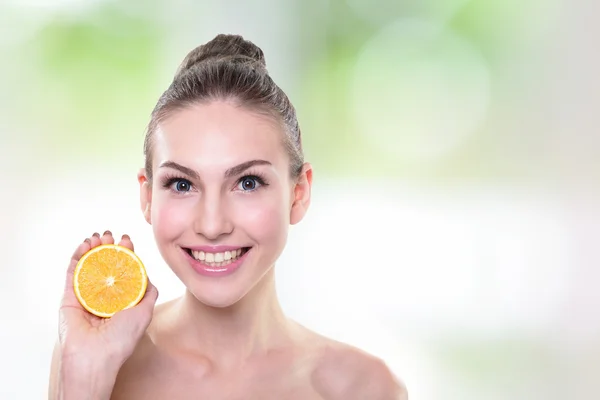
[137, 318]
[150, 297]
[96, 240]
[146, 305]
[79, 252]
[107, 238]
[126, 242]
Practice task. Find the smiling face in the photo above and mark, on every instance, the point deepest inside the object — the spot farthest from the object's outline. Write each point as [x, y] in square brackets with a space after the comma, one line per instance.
[221, 198]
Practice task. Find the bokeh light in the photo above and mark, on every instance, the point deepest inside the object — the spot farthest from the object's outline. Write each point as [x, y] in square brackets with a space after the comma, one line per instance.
[455, 214]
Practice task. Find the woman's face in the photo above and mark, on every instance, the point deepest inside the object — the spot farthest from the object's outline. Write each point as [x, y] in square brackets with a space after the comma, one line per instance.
[221, 198]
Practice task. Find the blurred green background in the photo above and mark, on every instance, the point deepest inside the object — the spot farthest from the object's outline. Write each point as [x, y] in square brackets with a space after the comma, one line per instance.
[461, 134]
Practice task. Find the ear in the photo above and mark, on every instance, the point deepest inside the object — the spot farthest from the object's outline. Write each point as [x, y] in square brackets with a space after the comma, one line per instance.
[301, 194]
[145, 195]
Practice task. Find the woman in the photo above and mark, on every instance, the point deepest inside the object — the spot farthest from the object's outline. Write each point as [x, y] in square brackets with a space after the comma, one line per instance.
[224, 177]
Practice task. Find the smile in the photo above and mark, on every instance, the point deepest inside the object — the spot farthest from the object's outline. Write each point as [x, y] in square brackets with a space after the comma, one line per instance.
[220, 259]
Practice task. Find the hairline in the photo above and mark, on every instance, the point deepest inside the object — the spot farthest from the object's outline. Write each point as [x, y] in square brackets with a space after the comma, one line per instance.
[167, 111]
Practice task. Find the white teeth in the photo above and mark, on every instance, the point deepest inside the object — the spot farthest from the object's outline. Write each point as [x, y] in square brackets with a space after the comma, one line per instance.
[218, 259]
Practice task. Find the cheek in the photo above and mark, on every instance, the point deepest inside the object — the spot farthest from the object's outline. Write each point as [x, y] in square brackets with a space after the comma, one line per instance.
[265, 218]
[170, 216]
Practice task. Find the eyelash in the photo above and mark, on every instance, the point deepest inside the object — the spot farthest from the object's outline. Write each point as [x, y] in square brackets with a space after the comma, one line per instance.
[259, 180]
[170, 180]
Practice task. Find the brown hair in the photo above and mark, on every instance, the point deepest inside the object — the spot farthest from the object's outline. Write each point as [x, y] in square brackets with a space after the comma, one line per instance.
[228, 68]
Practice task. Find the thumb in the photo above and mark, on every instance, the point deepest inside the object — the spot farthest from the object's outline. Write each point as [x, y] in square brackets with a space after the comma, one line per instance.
[138, 318]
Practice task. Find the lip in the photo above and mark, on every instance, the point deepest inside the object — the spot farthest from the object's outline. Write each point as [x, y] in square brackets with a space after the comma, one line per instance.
[215, 249]
[206, 270]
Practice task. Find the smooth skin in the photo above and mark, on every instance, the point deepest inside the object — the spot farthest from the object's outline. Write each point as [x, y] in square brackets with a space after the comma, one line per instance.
[226, 337]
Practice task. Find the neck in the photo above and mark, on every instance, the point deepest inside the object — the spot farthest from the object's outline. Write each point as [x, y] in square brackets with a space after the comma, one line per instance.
[231, 335]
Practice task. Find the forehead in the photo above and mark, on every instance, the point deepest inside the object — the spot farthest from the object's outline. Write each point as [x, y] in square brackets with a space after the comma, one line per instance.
[218, 134]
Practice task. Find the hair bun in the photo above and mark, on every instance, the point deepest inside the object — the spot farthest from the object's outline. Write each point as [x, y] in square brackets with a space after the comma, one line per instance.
[224, 47]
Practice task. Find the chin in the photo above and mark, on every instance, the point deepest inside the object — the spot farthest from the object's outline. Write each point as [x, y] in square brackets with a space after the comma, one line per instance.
[216, 297]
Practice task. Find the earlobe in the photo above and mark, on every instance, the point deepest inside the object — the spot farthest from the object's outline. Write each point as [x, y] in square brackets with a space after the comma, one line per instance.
[301, 194]
[145, 195]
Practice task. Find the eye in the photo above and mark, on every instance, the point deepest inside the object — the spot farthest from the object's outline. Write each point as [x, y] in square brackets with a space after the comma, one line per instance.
[181, 185]
[249, 183]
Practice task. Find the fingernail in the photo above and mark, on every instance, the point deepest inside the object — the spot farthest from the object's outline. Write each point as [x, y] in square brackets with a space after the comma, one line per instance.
[87, 240]
[96, 234]
[108, 233]
[126, 237]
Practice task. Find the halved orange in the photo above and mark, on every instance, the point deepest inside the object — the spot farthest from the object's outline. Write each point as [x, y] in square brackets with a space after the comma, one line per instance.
[109, 278]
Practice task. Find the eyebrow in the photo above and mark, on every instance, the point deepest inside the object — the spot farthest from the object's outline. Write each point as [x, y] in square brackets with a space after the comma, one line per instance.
[238, 169]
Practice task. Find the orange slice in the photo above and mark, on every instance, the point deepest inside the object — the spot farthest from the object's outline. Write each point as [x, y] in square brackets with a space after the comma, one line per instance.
[109, 278]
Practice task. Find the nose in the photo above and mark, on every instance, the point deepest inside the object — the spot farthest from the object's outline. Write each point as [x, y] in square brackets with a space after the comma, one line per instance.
[211, 218]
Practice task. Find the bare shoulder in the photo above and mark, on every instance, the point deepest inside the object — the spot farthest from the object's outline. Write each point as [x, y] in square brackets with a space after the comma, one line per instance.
[346, 372]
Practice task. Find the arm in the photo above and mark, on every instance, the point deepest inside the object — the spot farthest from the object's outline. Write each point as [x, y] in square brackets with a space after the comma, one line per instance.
[78, 378]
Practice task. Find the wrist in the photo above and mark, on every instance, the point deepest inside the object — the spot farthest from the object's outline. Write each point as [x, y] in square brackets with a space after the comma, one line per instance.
[84, 377]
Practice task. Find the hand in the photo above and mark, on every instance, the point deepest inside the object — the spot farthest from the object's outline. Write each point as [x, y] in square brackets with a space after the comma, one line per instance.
[82, 334]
